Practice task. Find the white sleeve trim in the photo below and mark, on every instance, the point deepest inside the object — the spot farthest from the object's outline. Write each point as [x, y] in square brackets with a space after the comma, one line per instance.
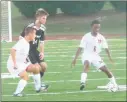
[42, 42]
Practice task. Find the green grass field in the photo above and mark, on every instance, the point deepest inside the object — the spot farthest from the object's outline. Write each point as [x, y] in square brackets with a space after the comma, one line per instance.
[64, 81]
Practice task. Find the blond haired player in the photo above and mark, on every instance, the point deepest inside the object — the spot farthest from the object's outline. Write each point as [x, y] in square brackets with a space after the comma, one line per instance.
[35, 56]
[91, 45]
[19, 65]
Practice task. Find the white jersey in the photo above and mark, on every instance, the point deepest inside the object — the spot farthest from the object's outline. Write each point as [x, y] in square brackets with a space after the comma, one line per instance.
[22, 51]
[92, 44]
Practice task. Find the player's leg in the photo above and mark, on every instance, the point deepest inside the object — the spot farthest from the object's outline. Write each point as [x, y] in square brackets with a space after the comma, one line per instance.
[43, 67]
[34, 58]
[86, 64]
[35, 69]
[109, 74]
[22, 83]
[99, 64]
[20, 71]
[42, 63]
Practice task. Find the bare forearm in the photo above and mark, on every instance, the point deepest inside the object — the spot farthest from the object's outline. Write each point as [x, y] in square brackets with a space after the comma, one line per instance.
[78, 53]
[108, 53]
[42, 47]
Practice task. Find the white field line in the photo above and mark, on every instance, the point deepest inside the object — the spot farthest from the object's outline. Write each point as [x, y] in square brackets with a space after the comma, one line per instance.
[73, 50]
[123, 58]
[114, 39]
[58, 93]
[113, 47]
[8, 74]
[66, 56]
[62, 81]
[77, 59]
[122, 39]
[48, 54]
[65, 92]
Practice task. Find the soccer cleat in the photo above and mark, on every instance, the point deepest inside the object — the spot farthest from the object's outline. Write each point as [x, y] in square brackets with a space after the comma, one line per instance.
[82, 86]
[19, 95]
[44, 87]
[38, 90]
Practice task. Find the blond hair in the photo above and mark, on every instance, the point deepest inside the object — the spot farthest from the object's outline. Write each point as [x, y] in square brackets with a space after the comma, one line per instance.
[41, 12]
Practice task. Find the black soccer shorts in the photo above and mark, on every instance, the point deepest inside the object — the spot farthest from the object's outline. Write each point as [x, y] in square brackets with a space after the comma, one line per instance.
[34, 57]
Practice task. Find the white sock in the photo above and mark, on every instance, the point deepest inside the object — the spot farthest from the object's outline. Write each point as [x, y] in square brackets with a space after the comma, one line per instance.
[112, 80]
[37, 81]
[83, 77]
[22, 83]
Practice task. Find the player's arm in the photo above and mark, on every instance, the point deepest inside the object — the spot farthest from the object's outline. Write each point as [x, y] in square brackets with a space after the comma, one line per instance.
[82, 43]
[42, 38]
[109, 54]
[76, 56]
[16, 47]
[105, 46]
[41, 49]
[13, 55]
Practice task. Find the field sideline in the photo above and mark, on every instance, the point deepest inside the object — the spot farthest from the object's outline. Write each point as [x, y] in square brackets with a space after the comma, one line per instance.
[64, 81]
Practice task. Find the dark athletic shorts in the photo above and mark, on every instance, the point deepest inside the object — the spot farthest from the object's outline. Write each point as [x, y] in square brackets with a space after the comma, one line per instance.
[34, 57]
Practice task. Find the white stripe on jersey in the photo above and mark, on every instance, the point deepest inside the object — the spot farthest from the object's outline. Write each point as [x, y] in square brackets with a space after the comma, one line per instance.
[42, 27]
[31, 25]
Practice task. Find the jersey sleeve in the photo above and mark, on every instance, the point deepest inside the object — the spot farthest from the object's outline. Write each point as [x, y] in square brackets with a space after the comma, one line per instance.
[42, 28]
[42, 38]
[83, 42]
[104, 43]
[18, 45]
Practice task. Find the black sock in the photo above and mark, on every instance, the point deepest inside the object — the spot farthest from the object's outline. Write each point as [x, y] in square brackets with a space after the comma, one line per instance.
[42, 74]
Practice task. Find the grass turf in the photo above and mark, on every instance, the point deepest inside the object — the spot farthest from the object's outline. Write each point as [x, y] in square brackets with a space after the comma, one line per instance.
[64, 79]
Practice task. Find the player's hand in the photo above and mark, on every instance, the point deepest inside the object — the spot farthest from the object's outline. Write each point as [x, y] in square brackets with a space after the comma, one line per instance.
[41, 56]
[15, 66]
[73, 63]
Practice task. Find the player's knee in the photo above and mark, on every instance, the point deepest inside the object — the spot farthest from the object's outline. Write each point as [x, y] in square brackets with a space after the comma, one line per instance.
[43, 66]
[37, 68]
[26, 78]
[24, 75]
[86, 66]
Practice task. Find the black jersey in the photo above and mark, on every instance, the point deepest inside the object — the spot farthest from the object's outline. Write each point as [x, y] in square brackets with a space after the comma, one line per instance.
[39, 36]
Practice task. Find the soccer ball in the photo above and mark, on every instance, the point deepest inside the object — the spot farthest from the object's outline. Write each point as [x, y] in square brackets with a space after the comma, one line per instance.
[112, 88]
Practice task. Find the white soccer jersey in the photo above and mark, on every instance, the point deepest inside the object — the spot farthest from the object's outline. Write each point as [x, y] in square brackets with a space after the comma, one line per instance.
[22, 50]
[92, 44]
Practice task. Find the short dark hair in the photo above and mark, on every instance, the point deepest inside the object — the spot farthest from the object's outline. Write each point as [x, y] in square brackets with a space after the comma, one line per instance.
[40, 12]
[95, 22]
[29, 30]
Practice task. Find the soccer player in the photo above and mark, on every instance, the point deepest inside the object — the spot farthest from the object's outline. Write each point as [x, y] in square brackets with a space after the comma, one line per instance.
[34, 55]
[19, 65]
[91, 45]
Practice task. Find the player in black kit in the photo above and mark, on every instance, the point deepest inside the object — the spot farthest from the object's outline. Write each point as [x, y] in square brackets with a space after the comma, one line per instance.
[34, 55]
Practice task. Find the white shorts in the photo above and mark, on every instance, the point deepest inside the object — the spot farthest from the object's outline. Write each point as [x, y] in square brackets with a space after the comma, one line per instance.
[93, 59]
[20, 67]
